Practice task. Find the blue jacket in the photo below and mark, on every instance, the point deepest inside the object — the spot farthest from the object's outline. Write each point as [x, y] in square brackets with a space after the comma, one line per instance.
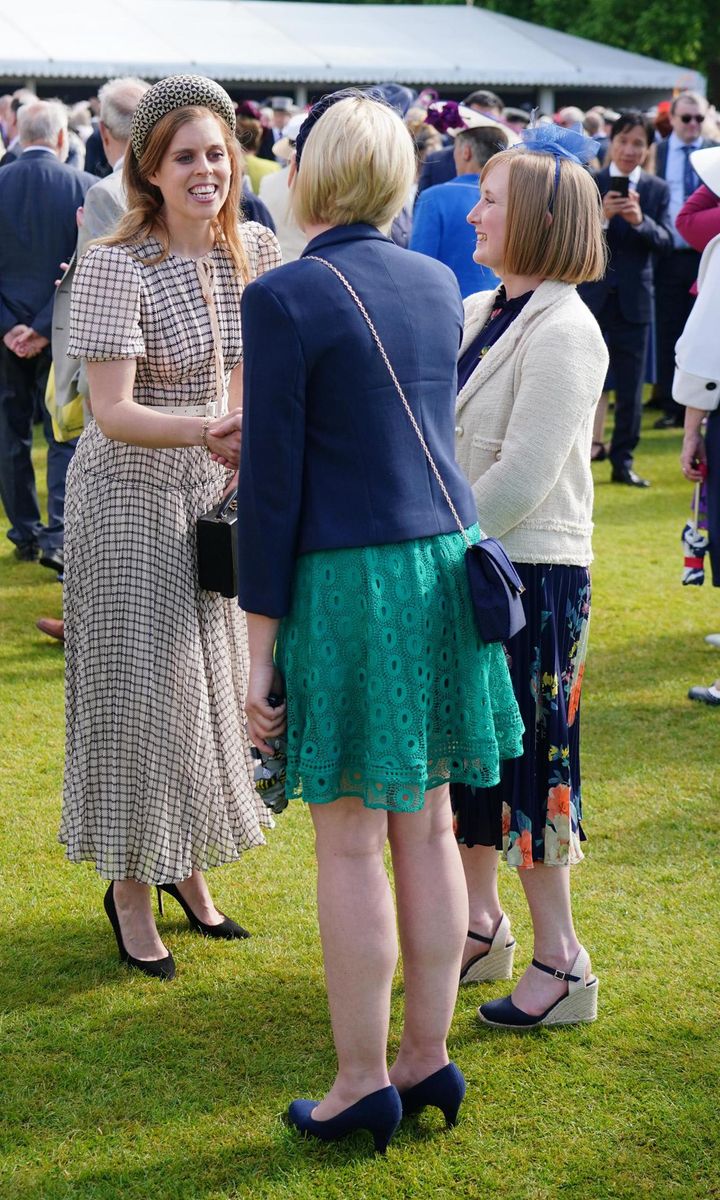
[440, 230]
[438, 167]
[39, 197]
[632, 250]
[329, 457]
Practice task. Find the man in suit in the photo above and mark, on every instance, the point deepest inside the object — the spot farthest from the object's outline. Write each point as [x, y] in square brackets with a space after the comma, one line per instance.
[18, 98]
[103, 208]
[39, 198]
[638, 228]
[677, 272]
[440, 227]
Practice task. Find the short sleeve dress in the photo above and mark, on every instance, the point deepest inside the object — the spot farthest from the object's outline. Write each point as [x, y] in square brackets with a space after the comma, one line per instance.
[158, 772]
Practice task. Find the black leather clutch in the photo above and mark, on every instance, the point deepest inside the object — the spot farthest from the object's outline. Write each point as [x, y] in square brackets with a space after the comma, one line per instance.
[217, 548]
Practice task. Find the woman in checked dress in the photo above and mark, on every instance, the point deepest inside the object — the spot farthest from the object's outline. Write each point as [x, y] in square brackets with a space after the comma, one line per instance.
[158, 776]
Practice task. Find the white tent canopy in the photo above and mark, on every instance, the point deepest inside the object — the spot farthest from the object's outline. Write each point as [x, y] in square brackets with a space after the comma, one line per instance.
[270, 41]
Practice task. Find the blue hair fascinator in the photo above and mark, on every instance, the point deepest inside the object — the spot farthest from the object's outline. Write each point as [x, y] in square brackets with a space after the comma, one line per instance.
[319, 109]
[560, 142]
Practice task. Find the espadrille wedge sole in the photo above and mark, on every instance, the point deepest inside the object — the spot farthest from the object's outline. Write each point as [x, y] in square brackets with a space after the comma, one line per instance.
[495, 963]
[579, 1006]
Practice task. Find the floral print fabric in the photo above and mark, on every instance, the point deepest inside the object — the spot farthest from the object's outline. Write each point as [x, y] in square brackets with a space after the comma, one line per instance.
[534, 814]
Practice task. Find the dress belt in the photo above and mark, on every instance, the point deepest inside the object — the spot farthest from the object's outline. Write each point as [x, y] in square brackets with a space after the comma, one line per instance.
[184, 410]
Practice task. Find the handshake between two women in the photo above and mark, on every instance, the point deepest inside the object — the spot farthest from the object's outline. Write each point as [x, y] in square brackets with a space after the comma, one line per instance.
[224, 438]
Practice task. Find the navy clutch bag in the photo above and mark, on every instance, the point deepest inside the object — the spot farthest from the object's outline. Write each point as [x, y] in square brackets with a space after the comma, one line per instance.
[496, 591]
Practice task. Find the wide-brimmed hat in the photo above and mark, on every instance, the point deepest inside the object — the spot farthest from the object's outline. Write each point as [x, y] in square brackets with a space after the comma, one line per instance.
[706, 163]
[280, 104]
[178, 91]
[468, 118]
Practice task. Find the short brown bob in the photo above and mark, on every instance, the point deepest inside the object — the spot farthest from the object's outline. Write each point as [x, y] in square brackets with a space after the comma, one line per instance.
[358, 164]
[556, 236]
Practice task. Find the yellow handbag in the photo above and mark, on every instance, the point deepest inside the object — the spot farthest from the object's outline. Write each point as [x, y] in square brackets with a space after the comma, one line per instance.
[67, 419]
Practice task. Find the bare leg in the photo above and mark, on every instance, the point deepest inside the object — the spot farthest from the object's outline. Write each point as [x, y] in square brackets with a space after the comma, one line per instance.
[432, 913]
[547, 891]
[137, 924]
[480, 864]
[359, 941]
[195, 891]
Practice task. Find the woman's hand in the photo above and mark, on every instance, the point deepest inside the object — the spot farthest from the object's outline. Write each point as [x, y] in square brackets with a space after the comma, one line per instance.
[224, 437]
[264, 721]
[230, 486]
[693, 457]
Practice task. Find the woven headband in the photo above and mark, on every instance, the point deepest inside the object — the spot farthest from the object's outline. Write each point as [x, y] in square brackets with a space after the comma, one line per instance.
[178, 91]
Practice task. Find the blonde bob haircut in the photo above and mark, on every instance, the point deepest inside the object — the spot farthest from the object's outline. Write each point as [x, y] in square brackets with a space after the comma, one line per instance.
[358, 164]
[554, 236]
[145, 216]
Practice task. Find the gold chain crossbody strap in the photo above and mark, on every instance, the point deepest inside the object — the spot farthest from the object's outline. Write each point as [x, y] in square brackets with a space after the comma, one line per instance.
[376, 338]
[206, 276]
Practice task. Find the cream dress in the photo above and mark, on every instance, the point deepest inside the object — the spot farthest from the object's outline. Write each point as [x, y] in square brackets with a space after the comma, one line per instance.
[158, 773]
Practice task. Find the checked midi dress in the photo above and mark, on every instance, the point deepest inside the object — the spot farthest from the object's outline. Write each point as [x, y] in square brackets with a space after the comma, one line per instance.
[158, 773]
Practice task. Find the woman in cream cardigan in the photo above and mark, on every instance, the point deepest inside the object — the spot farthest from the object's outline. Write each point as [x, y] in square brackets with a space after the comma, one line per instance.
[531, 370]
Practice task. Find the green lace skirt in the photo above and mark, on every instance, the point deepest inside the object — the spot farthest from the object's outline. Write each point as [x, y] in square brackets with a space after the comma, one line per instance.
[390, 691]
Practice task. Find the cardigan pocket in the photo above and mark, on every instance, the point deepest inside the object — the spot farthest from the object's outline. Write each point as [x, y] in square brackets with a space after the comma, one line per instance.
[478, 456]
[490, 448]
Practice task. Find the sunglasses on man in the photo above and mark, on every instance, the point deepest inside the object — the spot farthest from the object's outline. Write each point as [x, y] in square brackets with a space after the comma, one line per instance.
[686, 118]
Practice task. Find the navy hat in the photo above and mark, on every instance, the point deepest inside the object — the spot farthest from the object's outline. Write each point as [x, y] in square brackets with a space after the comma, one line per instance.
[398, 97]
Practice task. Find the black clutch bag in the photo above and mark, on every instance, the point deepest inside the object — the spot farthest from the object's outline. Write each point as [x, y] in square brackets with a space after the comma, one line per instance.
[217, 548]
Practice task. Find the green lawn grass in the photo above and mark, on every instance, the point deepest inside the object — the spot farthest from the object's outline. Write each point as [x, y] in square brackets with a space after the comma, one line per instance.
[115, 1086]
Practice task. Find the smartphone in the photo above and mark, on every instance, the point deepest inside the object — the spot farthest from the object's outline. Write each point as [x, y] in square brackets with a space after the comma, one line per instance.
[621, 184]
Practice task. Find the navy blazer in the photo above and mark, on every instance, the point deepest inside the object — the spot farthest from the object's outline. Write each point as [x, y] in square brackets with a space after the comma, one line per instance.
[329, 457]
[632, 250]
[39, 197]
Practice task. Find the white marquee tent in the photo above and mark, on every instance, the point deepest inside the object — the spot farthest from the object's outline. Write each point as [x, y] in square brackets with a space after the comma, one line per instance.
[304, 46]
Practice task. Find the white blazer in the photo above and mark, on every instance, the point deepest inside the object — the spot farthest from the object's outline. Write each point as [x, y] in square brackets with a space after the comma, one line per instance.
[524, 425]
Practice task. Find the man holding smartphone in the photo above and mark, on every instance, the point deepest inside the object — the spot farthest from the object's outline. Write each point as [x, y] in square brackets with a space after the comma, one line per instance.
[637, 228]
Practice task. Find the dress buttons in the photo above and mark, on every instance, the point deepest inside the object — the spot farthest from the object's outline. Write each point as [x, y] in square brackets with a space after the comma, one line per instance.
[459, 431]
[710, 387]
[498, 455]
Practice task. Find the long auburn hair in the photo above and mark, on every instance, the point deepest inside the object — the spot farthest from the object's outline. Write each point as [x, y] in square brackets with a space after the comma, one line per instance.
[145, 217]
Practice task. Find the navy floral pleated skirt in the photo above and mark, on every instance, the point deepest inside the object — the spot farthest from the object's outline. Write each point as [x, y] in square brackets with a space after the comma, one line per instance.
[534, 813]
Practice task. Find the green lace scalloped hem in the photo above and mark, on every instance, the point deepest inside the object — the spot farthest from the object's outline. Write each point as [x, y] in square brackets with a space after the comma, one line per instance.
[390, 690]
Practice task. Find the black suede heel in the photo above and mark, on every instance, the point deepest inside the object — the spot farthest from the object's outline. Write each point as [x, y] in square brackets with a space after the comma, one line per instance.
[227, 929]
[158, 968]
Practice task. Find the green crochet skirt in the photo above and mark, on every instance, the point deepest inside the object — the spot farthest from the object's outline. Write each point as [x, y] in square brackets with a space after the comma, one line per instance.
[390, 691]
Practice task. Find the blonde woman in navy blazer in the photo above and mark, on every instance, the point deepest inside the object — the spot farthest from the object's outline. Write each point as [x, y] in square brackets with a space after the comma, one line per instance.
[352, 574]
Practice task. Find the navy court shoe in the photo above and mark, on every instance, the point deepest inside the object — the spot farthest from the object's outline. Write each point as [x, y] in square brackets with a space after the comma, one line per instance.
[445, 1089]
[379, 1113]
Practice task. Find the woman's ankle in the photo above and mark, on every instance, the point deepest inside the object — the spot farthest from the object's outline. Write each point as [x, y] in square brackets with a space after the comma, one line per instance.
[414, 1063]
[560, 954]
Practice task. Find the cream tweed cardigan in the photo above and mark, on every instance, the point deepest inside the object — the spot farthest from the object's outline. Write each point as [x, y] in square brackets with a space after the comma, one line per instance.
[524, 425]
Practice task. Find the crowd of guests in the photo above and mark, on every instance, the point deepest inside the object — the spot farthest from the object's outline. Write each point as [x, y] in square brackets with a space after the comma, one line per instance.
[375, 429]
